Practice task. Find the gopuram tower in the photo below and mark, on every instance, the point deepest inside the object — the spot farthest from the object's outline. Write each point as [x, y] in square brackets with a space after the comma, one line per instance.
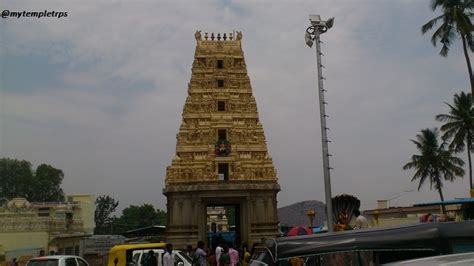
[221, 153]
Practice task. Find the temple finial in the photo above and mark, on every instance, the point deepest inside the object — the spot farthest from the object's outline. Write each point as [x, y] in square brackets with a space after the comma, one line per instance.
[197, 35]
[239, 36]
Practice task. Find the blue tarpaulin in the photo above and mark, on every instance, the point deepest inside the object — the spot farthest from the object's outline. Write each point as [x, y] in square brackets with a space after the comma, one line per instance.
[448, 202]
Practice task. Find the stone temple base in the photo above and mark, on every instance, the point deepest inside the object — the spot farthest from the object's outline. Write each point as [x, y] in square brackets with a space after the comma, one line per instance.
[187, 207]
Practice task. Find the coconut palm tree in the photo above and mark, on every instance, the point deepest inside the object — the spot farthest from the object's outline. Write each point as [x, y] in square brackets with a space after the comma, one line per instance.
[435, 162]
[459, 127]
[455, 21]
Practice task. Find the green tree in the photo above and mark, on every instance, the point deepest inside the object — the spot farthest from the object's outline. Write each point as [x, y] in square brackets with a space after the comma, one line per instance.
[104, 207]
[435, 162]
[46, 185]
[18, 180]
[455, 21]
[459, 126]
[230, 214]
[134, 217]
[15, 178]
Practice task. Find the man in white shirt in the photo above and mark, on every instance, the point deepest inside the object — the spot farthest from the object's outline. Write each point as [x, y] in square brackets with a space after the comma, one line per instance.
[361, 221]
[168, 257]
[219, 250]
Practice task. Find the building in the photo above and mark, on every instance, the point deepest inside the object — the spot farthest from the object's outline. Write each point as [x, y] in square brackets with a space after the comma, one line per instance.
[386, 216]
[216, 219]
[28, 227]
[221, 153]
[456, 208]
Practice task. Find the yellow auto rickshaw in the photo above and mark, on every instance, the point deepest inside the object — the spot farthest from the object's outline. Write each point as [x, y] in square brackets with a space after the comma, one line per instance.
[122, 255]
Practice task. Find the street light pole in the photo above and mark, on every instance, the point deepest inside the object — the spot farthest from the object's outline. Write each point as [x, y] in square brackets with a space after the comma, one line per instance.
[312, 34]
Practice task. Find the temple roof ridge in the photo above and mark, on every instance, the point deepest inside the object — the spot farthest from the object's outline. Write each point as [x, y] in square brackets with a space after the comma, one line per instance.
[223, 37]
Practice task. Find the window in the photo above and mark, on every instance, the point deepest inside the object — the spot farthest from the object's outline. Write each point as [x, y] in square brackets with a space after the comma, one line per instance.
[220, 83]
[220, 63]
[81, 262]
[43, 212]
[136, 256]
[223, 170]
[177, 260]
[222, 147]
[221, 106]
[222, 134]
[70, 251]
[71, 262]
[43, 262]
[183, 256]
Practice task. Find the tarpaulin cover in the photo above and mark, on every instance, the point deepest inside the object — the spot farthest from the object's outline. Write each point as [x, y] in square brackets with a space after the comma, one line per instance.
[426, 236]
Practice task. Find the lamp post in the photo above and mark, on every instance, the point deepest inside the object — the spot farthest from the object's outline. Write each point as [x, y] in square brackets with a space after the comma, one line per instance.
[313, 32]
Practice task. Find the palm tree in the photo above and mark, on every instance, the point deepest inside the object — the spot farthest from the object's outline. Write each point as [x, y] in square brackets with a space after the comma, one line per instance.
[435, 163]
[455, 20]
[460, 126]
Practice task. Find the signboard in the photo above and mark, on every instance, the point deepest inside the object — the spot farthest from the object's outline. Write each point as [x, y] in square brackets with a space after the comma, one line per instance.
[100, 244]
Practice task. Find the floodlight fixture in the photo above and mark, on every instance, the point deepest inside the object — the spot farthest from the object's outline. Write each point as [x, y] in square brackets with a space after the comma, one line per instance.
[330, 23]
[316, 19]
[308, 39]
[317, 24]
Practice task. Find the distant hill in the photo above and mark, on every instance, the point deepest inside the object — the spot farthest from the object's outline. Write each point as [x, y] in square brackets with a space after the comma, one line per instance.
[295, 214]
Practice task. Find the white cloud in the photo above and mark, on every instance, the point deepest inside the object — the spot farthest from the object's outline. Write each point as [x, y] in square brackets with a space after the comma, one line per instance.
[384, 81]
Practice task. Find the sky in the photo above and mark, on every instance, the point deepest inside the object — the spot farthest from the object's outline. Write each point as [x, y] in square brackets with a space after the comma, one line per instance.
[99, 93]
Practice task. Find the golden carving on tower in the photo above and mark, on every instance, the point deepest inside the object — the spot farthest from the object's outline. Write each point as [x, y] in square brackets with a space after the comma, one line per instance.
[220, 118]
[221, 152]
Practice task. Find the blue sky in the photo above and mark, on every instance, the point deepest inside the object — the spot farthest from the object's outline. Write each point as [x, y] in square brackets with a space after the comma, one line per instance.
[100, 93]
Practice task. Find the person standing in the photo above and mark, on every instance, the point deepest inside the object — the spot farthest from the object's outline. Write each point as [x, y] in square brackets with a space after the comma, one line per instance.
[361, 221]
[245, 254]
[151, 259]
[224, 259]
[189, 251]
[234, 255]
[14, 263]
[218, 252]
[211, 259]
[296, 261]
[168, 257]
[201, 254]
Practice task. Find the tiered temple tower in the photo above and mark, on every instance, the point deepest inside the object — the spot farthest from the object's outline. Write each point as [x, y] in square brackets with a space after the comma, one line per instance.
[221, 153]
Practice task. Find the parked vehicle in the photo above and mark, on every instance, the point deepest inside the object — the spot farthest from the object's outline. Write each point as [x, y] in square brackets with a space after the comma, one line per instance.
[122, 255]
[60, 260]
[372, 246]
[135, 254]
[180, 258]
[462, 259]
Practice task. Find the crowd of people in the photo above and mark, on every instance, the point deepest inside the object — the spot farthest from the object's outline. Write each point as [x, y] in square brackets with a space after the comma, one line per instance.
[223, 254]
[220, 254]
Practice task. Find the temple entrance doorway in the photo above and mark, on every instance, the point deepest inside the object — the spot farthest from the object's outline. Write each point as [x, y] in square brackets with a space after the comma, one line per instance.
[223, 223]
